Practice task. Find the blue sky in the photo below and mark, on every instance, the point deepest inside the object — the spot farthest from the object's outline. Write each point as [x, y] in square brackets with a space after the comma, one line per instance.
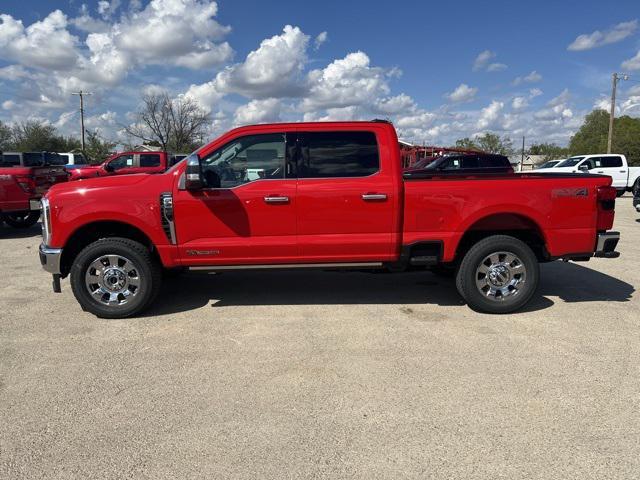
[439, 70]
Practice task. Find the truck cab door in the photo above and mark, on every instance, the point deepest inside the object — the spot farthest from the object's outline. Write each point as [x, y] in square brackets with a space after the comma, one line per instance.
[122, 165]
[347, 197]
[613, 166]
[245, 212]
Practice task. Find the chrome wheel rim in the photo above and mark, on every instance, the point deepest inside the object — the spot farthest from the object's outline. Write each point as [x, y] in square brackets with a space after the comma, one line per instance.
[112, 280]
[500, 276]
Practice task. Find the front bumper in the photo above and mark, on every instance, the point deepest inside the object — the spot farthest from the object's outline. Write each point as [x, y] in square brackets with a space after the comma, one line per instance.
[50, 259]
[606, 245]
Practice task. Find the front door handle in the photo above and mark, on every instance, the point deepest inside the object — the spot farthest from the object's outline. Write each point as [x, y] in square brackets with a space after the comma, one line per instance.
[276, 199]
[371, 197]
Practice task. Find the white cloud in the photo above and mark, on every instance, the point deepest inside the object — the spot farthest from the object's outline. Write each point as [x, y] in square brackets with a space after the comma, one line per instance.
[533, 77]
[320, 39]
[519, 103]
[632, 63]
[258, 111]
[496, 67]
[272, 70]
[348, 81]
[490, 115]
[463, 93]
[483, 59]
[597, 39]
[483, 62]
[45, 44]
[394, 105]
[535, 92]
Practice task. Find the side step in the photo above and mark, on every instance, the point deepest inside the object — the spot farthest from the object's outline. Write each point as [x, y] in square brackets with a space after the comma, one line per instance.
[286, 266]
[424, 260]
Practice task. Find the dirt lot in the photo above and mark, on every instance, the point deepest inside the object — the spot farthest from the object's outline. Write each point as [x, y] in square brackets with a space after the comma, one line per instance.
[323, 375]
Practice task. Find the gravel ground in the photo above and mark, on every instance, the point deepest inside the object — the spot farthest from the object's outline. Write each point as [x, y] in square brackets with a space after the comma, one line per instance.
[323, 375]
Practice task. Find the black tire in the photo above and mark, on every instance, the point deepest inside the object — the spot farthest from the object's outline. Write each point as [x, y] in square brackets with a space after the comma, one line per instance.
[469, 275]
[636, 188]
[620, 193]
[147, 273]
[22, 219]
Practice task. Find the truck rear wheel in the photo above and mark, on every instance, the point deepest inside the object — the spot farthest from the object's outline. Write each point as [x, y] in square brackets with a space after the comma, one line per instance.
[499, 274]
[22, 219]
[115, 278]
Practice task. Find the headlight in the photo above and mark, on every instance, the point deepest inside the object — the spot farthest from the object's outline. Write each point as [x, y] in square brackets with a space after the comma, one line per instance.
[46, 220]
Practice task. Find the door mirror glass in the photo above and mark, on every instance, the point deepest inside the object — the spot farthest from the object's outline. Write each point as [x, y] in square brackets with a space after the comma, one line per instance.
[193, 177]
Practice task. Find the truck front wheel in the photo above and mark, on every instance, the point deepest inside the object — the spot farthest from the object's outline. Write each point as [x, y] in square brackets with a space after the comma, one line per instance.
[115, 278]
[499, 274]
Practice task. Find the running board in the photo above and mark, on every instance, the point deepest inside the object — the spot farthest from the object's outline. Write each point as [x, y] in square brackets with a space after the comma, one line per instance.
[286, 266]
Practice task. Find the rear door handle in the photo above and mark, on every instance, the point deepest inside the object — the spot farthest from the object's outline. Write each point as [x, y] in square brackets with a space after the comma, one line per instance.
[276, 199]
[371, 197]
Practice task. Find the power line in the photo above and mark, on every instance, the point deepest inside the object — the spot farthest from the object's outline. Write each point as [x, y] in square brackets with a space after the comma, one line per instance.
[81, 94]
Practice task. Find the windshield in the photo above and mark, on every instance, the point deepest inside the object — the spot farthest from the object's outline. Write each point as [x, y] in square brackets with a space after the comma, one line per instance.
[548, 164]
[570, 162]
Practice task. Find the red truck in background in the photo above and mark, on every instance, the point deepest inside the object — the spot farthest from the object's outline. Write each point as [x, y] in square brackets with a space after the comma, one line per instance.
[319, 195]
[24, 178]
[127, 163]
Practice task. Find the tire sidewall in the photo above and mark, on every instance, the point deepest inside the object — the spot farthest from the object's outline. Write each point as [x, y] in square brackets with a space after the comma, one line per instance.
[29, 220]
[112, 247]
[467, 283]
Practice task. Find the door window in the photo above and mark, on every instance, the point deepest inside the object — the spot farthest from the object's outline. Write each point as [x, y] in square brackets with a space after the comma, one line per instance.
[78, 159]
[338, 154]
[608, 162]
[149, 160]
[10, 160]
[124, 161]
[245, 159]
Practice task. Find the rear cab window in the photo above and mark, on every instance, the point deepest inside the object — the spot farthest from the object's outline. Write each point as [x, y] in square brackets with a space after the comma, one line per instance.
[149, 159]
[337, 154]
[607, 162]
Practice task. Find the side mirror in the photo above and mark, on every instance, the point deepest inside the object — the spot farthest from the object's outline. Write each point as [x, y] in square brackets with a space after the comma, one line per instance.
[584, 167]
[109, 168]
[193, 180]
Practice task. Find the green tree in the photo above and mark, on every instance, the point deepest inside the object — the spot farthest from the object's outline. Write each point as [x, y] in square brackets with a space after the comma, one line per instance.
[5, 136]
[592, 136]
[35, 136]
[549, 151]
[466, 143]
[492, 143]
[97, 149]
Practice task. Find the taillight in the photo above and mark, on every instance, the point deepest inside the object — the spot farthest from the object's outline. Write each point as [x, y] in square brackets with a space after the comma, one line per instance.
[27, 183]
[606, 198]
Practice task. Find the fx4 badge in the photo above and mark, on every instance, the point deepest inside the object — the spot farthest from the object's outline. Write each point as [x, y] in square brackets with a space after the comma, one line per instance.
[570, 192]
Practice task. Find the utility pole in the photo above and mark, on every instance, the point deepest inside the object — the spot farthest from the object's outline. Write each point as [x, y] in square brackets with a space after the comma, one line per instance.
[522, 155]
[615, 78]
[81, 95]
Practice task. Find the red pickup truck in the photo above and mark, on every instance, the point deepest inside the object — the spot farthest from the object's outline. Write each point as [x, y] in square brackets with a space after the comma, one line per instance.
[24, 178]
[126, 163]
[319, 195]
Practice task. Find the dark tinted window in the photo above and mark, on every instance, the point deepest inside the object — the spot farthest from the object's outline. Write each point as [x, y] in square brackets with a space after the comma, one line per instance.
[78, 159]
[124, 161]
[149, 160]
[338, 154]
[54, 159]
[609, 162]
[32, 159]
[461, 162]
[10, 159]
[494, 161]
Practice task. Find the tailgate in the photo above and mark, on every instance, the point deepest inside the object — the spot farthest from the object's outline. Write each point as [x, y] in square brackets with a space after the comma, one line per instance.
[45, 177]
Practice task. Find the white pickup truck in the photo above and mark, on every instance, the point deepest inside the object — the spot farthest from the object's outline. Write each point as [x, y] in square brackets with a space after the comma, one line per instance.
[625, 178]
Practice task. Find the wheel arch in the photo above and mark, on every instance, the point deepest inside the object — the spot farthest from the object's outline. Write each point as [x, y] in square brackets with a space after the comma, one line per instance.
[512, 223]
[95, 230]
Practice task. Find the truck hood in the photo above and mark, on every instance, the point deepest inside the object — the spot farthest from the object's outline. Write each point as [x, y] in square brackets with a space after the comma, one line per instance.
[559, 170]
[99, 183]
